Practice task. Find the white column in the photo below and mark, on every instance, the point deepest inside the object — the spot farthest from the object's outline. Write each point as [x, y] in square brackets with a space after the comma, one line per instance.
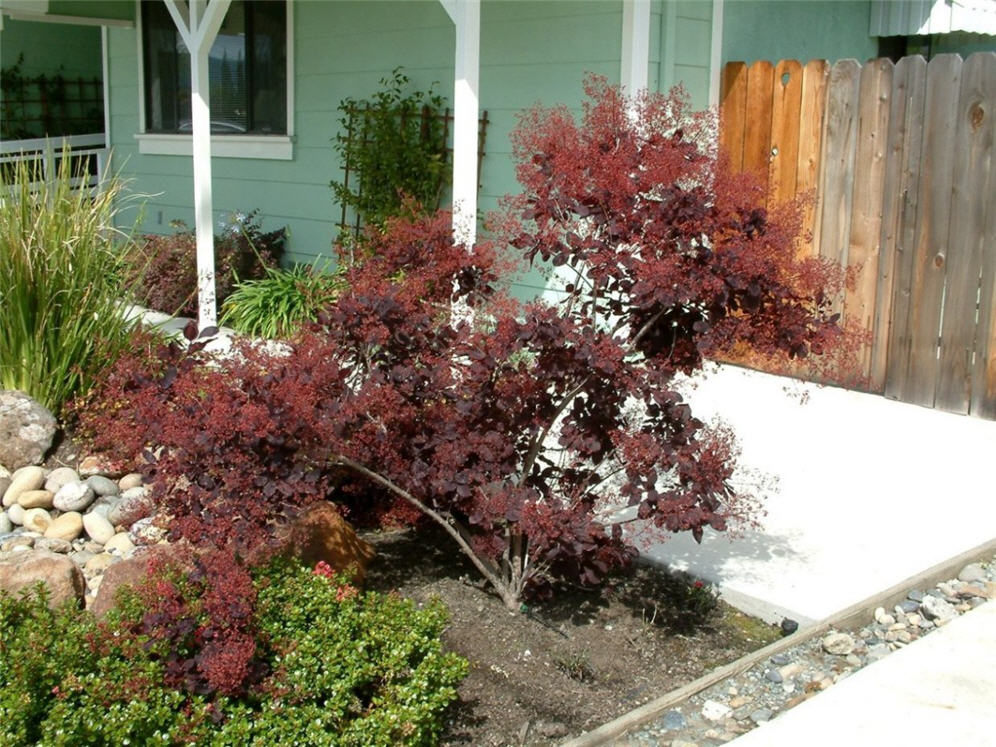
[716, 52]
[635, 45]
[198, 25]
[466, 15]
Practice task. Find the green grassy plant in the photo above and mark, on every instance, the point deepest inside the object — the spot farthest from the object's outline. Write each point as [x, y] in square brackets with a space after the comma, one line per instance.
[277, 304]
[60, 281]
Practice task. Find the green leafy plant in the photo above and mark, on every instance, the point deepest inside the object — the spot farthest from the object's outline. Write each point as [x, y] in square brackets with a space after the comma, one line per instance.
[394, 144]
[61, 321]
[343, 668]
[277, 304]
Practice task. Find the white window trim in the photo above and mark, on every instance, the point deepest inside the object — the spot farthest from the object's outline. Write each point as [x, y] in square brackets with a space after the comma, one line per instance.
[274, 147]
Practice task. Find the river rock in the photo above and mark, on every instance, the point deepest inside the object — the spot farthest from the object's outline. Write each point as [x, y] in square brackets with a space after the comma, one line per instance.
[37, 519]
[971, 573]
[16, 514]
[26, 430]
[63, 578]
[73, 496]
[98, 527]
[129, 481]
[102, 486]
[99, 563]
[68, 526]
[35, 499]
[23, 479]
[936, 609]
[120, 544]
[60, 476]
[838, 644]
[134, 504]
[54, 544]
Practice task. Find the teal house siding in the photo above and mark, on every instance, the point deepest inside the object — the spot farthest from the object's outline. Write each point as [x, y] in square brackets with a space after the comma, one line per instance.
[789, 29]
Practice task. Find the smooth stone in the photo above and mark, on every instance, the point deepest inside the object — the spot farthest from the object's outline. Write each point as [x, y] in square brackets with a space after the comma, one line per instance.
[73, 496]
[882, 617]
[131, 480]
[35, 499]
[37, 519]
[773, 675]
[16, 514]
[98, 527]
[908, 606]
[937, 610]
[19, 541]
[790, 670]
[713, 710]
[6, 525]
[102, 486]
[103, 505]
[134, 506]
[971, 573]
[780, 659]
[68, 526]
[120, 543]
[916, 595]
[838, 644]
[23, 479]
[137, 492]
[99, 563]
[853, 660]
[761, 715]
[54, 544]
[60, 476]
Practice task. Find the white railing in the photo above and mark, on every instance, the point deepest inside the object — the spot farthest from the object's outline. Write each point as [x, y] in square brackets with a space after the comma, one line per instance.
[48, 152]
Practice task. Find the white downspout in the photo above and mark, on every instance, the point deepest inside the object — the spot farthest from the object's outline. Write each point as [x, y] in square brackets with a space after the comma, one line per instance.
[635, 57]
[466, 16]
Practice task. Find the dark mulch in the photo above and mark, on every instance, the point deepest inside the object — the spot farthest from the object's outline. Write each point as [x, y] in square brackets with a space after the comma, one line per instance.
[565, 666]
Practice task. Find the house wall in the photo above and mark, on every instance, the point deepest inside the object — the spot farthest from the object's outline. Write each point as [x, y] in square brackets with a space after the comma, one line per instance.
[48, 48]
[531, 52]
[789, 29]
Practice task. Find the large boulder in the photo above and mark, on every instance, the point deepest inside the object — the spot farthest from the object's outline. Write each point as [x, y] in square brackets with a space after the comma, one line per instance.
[26, 430]
[319, 533]
[64, 579]
[130, 572]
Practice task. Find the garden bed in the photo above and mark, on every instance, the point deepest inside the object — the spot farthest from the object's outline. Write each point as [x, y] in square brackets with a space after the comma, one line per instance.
[564, 667]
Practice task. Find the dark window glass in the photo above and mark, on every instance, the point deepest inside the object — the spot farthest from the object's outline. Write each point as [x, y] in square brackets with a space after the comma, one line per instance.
[247, 68]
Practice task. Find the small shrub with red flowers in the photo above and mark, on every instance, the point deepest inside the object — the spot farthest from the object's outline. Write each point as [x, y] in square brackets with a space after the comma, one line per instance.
[285, 656]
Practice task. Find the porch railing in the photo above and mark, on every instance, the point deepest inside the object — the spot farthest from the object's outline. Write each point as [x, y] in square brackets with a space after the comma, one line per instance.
[89, 156]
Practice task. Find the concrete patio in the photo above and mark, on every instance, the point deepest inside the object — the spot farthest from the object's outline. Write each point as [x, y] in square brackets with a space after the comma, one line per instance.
[870, 492]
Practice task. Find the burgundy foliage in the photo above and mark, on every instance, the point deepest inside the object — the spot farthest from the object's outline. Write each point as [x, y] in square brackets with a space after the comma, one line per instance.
[518, 428]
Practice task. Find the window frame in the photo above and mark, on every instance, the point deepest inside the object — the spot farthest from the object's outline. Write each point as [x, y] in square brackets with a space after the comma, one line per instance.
[274, 147]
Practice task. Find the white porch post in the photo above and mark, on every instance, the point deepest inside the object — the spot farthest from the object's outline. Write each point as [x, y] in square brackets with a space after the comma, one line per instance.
[198, 23]
[635, 46]
[466, 16]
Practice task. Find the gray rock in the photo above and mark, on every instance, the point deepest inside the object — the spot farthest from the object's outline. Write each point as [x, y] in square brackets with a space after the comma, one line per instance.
[6, 525]
[81, 557]
[26, 430]
[780, 660]
[73, 496]
[673, 720]
[935, 609]
[130, 506]
[102, 486]
[23, 479]
[971, 573]
[773, 675]
[838, 644]
[761, 715]
[916, 595]
[53, 544]
[59, 477]
[878, 651]
[908, 606]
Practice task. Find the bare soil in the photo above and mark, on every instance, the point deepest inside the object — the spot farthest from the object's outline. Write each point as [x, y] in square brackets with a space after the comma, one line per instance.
[565, 666]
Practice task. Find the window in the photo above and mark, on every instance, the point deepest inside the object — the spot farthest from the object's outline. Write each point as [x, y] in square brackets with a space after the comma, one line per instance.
[247, 70]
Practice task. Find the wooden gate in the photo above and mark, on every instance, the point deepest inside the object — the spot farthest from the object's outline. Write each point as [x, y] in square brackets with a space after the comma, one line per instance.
[900, 160]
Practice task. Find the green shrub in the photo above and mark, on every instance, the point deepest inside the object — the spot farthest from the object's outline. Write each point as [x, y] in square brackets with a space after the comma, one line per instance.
[60, 281]
[277, 304]
[344, 669]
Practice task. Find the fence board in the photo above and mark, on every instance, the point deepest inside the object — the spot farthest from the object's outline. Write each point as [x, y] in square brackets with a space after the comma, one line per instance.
[972, 155]
[899, 211]
[757, 137]
[733, 113]
[984, 366]
[943, 84]
[815, 76]
[866, 211]
[839, 140]
[784, 146]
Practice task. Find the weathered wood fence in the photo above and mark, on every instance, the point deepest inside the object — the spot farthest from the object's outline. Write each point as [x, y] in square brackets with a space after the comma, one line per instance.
[899, 158]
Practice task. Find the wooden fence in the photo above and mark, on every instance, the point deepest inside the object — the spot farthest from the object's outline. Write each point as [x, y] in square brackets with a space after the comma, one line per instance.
[899, 158]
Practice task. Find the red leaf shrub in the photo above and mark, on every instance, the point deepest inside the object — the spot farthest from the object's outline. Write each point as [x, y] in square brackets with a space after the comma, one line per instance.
[163, 269]
[518, 429]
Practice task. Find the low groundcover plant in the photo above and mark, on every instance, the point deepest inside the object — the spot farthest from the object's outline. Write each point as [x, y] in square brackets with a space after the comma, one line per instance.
[285, 656]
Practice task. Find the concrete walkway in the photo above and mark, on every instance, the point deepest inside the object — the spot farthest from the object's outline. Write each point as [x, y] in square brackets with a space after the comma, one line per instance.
[939, 690]
[870, 492]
